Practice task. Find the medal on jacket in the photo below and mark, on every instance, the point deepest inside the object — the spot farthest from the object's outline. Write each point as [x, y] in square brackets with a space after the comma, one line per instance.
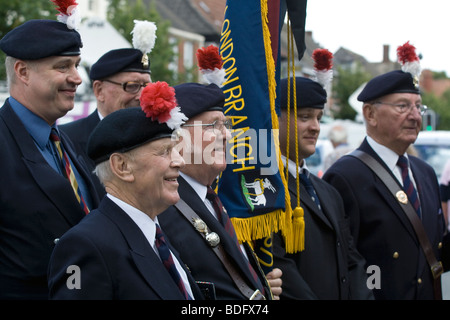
[401, 197]
[212, 238]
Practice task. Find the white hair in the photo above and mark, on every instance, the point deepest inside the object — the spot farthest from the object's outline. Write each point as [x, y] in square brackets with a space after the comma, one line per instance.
[103, 171]
[338, 134]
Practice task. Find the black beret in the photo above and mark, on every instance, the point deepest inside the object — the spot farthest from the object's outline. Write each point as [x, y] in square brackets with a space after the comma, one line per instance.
[124, 130]
[118, 60]
[195, 98]
[37, 39]
[395, 81]
[310, 94]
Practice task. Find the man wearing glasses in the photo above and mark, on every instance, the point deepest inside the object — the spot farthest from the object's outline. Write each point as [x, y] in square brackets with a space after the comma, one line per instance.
[117, 81]
[383, 231]
[200, 230]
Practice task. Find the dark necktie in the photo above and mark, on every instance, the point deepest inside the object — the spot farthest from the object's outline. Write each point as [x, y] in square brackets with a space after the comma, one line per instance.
[224, 219]
[167, 260]
[222, 216]
[408, 186]
[67, 169]
[309, 188]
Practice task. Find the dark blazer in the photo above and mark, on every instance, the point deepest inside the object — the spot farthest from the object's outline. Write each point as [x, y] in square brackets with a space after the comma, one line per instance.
[330, 268]
[79, 132]
[37, 206]
[115, 260]
[382, 231]
[197, 254]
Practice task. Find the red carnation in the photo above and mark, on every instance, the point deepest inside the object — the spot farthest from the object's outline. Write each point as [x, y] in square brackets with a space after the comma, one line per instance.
[322, 59]
[407, 53]
[209, 58]
[157, 100]
[63, 5]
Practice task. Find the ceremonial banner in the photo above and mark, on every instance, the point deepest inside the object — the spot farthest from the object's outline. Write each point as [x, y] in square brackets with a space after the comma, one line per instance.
[252, 188]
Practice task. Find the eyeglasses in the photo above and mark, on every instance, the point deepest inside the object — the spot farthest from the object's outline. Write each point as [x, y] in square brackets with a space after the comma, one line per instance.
[218, 125]
[404, 107]
[130, 86]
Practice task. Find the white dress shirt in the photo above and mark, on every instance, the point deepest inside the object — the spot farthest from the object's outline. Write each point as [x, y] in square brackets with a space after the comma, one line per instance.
[148, 228]
[390, 158]
[201, 191]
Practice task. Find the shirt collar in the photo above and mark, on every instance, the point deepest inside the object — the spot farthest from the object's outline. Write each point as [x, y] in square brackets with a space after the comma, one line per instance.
[389, 157]
[292, 167]
[199, 188]
[143, 221]
[35, 125]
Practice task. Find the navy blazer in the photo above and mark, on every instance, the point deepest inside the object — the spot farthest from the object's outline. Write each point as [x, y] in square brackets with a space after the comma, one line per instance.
[115, 260]
[195, 252]
[79, 132]
[381, 229]
[37, 206]
[330, 267]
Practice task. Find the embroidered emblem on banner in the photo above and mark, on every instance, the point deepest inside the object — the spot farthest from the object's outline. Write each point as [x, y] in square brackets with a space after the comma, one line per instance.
[259, 192]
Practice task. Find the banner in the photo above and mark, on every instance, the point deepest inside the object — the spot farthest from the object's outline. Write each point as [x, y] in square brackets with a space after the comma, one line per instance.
[253, 187]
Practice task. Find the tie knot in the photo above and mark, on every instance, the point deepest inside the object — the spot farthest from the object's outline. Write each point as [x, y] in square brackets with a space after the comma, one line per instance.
[54, 135]
[402, 162]
[304, 178]
[159, 233]
[210, 194]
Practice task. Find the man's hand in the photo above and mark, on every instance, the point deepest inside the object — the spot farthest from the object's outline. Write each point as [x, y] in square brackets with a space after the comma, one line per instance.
[275, 282]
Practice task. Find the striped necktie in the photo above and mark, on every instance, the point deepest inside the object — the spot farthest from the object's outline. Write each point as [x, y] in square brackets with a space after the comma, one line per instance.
[67, 169]
[222, 216]
[167, 260]
[408, 186]
[224, 219]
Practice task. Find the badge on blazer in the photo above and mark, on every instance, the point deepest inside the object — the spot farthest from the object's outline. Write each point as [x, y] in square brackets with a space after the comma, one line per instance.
[212, 238]
[401, 197]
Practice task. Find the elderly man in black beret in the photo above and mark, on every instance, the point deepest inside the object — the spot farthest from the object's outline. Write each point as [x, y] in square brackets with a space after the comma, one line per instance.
[117, 249]
[329, 267]
[45, 188]
[389, 195]
[117, 81]
[198, 226]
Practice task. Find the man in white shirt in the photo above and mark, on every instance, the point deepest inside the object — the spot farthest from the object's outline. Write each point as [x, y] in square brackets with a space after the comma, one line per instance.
[204, 148]
[392, 109]
[119, 250]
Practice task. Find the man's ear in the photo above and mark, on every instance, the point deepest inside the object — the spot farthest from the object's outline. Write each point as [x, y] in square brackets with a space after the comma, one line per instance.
[99, 92]
[22, 70]
[121, 167]
[369, 113]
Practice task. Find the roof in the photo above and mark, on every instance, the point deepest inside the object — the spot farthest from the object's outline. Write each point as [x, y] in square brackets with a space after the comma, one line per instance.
[184, 15]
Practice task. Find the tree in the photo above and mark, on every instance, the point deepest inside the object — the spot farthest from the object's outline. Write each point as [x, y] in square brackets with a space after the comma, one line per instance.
[121, 15]
[440, 105]
[345, 85]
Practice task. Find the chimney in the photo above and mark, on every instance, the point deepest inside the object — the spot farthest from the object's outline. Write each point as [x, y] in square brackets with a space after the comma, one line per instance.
[386, 53]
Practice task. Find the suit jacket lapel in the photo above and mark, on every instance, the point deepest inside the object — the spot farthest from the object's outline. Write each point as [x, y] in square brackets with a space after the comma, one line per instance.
[145, 258]
[384, 191]
[306, 200]
[53, 184]
[81, 167]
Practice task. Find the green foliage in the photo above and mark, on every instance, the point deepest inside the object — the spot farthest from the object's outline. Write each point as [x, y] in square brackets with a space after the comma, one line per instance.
[440, 105]
[121, 15]
[347, 81]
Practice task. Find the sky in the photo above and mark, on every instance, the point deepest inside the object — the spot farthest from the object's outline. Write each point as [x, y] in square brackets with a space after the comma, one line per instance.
[365, 26]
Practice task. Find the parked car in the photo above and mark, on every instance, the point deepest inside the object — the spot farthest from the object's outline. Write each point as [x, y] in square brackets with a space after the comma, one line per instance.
[434, 148]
